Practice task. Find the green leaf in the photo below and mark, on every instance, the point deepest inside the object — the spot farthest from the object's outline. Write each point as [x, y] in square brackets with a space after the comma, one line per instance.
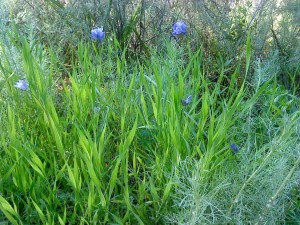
[153, 191]
[113, 178]
[131, 25]
[167, 191]
[39, 211]
[130, 137]
[8, 210]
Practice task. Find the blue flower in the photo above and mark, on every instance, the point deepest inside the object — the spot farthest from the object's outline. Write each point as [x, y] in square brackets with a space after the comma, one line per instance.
[187, 101]
[179, 28]
[119, 51]
[21, 84]
[235, 148]
[98, 34]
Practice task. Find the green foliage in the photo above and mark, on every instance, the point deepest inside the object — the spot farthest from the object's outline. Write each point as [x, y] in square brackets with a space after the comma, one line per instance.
[103, 137]
[217, 27]
[122, 149]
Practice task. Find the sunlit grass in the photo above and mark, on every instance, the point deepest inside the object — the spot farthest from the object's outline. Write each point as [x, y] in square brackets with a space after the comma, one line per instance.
[113, 143]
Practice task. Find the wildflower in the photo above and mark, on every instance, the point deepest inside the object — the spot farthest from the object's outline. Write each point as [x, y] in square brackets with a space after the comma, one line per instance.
[119, 51]
[21, 84]
[187, 101]
[98, 34]
[235, 148]
[179, 28]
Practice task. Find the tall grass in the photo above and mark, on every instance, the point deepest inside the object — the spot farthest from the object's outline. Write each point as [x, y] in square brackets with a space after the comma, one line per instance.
[112, 143]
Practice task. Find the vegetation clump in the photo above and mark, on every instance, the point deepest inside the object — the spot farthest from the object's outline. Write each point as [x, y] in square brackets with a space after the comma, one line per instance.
[146, 112]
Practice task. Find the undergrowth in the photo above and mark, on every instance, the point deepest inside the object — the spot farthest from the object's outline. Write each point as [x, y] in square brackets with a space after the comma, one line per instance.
[112, 142]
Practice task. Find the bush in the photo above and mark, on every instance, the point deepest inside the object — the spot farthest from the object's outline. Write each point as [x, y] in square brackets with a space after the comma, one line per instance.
[144, 127]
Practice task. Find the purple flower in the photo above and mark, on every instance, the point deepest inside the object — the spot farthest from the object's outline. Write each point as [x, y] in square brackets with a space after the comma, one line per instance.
[235, 148]
[98, 34]
[179, 28]
[187, 101]
[21, 84]
[119, 51]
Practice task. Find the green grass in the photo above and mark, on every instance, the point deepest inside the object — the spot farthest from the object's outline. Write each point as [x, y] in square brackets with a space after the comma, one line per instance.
[114, 145]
